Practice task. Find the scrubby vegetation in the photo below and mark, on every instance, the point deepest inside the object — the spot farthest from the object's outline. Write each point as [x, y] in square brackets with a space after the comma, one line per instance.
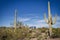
[25, 33]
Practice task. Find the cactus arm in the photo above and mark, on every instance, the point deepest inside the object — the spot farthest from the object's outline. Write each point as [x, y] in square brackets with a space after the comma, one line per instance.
[55, 19]
[45, 18]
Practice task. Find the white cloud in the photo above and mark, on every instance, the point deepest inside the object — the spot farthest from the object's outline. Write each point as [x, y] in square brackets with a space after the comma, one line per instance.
[23, 19]
[58, 18]
[39, 22]
[39, 25]
[42, 23]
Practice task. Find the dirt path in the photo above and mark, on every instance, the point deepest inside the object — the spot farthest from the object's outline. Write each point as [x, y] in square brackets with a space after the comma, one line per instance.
[55, 39]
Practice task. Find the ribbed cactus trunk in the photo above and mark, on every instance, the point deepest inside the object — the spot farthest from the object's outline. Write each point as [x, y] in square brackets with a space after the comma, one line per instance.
[15, 19]
[50, 29]
[50, 21]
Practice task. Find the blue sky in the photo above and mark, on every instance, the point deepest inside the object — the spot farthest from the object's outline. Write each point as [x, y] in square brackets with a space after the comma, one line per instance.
[30, 12]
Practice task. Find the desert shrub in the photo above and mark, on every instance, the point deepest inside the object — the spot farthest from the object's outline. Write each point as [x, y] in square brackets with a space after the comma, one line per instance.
[56, 32]
[23, 33]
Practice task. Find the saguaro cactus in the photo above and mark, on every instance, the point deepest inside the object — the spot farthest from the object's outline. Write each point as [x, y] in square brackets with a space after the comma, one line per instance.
[50, 22]
[15, 19]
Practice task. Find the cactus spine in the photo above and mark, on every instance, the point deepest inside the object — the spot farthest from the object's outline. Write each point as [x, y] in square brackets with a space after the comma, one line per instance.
[15, 19]
[50, 21]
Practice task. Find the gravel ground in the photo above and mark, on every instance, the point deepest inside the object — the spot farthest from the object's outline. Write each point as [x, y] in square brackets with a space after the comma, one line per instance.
[55, 39]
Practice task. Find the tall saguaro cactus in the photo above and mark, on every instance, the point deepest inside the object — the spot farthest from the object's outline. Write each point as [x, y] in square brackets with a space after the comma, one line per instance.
[50, 21]
[15, 19]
